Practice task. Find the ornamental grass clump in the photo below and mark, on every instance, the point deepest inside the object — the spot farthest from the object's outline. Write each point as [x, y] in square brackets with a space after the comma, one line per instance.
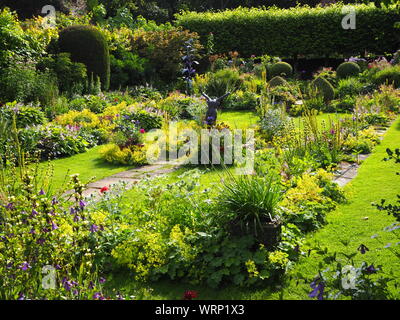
[251, 201]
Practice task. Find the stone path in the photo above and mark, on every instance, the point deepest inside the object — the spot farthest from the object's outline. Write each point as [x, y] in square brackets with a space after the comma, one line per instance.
[348, 171]
[345, 173]
[129, 178]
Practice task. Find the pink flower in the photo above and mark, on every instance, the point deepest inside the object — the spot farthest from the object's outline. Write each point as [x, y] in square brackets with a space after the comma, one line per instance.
[142, 131]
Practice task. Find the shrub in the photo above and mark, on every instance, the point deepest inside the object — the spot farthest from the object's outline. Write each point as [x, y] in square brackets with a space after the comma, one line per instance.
[283, 69]
[305, 203]
[23, 83]
[24, 115]
[52, 141]
[127, 69]
[95, 103]
[346, 104]
[162, 49]
[88, 46]
[347, 69]
[84, 118]
[144, 119]
[273, 123]
[177, 105]
[324, 88]
[71, 77]
[278, 31]
[242, 100]
[388, 76]
[349, 87]
[277, 81]
[133, 155]
[218, 83]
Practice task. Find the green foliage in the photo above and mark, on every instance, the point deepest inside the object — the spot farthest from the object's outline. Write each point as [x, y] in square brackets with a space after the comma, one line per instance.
[72, 77]
[302, 30]
[87, 45]
[306, 203]
[283, 69]
[24, 115]
[144, 119]
[347, 69]
[127, 69]
[250, 202]
[277, 81]
[220, 82]
[242, 100]
[324, 88]
[37, 243]
[51, 142]
[349, 87]
[132, 156]
[162, 49]
[21, 82]
[273, 124]
[345, 104]
[388, 76]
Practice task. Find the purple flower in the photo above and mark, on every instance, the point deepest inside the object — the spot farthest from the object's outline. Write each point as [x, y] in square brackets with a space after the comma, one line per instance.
[53, 226]
[42, 193]
[25, 266]
[76, 218]
[40, 241]
[102, 280]
[82, 204]
[91, 285]
[332, 132]
[54, 201]
[371, 269]
[10, 206]
[34, 212]
[67, 284]
[94, 228]
[32, 231]
[363, 249]
[75, 292]
[318, 290]
[57, 266]
[72, 211]
[9, 265]
[98, 296]
[21, 296]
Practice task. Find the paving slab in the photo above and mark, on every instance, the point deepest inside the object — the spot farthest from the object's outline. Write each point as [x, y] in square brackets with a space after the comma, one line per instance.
[342, 181]
[110, 181]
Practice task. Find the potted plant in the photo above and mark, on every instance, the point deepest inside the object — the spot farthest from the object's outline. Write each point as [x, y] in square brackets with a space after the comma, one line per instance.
[251, 203]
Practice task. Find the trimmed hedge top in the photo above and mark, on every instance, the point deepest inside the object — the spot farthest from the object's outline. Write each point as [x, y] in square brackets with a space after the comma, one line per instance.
[87, 45]
[298, 31]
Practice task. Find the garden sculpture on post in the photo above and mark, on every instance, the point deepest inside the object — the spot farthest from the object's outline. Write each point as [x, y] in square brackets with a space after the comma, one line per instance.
[213, 104]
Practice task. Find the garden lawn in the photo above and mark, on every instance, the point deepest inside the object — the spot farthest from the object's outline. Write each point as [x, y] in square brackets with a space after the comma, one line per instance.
[88, 165]
[347, 228]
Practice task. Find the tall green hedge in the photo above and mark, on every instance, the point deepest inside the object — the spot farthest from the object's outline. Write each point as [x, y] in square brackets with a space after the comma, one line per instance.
[87, 45]
[298, 31]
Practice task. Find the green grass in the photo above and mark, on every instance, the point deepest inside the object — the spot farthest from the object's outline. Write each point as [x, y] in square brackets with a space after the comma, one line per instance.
[239, 119]
[89, 165]
[376, 180]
